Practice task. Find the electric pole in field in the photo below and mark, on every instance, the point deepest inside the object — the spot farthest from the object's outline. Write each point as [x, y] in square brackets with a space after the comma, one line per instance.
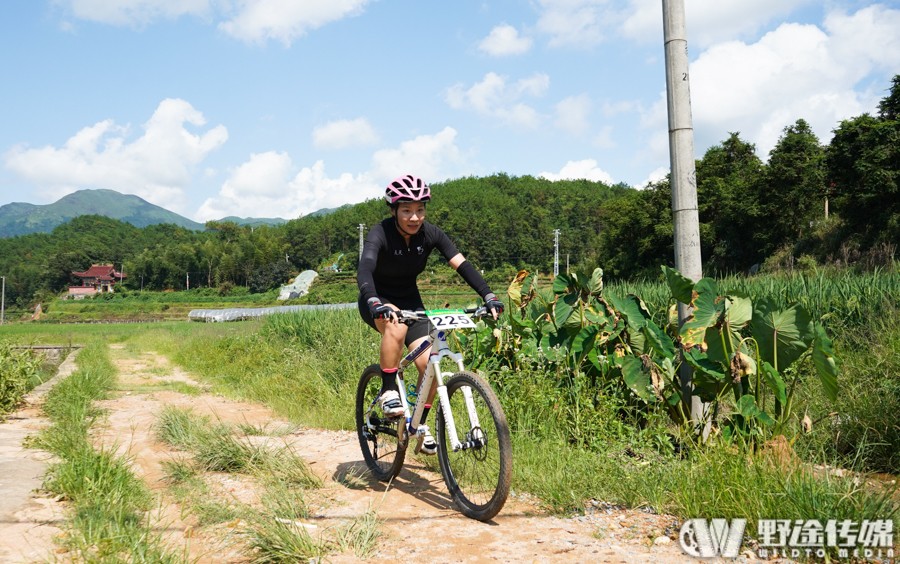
[3, 301]
[683, 177]
[362, 227]
[555, 253]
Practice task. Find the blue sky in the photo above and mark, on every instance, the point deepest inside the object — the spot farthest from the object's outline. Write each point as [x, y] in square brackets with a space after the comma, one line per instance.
[277, 108]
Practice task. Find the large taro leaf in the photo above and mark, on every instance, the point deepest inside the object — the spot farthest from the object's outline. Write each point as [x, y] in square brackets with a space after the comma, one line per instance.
[775, 382]
[747, 407]
[709, 378]
[595, 283]
[782, 335]
[680, 285]
[564, 283]
[738, 311]
[636, 378]
[566, 311]
[823, 359]
[721, 343]
[658, 340]
[634, 310]
[555, 347]
[584, 341]
[707, 308]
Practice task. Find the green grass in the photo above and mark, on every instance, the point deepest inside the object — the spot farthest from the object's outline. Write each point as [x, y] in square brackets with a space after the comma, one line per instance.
[573, 443]
[109, 505]
[274, 526]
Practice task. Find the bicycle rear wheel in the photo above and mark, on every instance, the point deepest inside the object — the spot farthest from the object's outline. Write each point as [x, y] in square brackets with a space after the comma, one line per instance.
[383, 441]
[477, 475]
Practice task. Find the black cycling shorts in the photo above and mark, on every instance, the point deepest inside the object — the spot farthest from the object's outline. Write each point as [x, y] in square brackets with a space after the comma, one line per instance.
[417, 329]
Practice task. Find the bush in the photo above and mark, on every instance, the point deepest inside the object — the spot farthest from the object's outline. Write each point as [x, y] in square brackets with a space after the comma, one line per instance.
[17, 368]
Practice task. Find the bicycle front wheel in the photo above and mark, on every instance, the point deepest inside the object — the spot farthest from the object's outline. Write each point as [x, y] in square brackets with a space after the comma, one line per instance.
[478, 474]
[383, 441]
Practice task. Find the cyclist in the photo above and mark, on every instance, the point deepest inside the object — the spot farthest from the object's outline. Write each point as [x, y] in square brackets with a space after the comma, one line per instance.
[394, 254]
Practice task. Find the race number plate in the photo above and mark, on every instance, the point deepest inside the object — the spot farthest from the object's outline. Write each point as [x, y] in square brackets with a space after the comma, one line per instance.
[449, 318]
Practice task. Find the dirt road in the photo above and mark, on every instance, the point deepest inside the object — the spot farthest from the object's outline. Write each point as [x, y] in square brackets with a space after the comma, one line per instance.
[417, 519]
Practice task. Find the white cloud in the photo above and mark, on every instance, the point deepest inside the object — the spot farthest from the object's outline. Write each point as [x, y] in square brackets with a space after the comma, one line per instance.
[795, 71]
[433, 157]
[494, 97]
[707, 21]
[505, 40]
[158, 166]
[268, 184]
[576, 170]
[655, 176]
[604, 138]
[345, 133]
[575, 22]
[257, 21]
[135, 12]
[572, 114]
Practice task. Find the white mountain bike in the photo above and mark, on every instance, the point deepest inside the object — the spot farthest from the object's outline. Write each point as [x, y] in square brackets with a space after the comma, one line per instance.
[474, 448]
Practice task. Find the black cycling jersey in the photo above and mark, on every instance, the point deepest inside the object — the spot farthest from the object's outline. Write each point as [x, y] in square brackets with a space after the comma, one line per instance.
[389, 267]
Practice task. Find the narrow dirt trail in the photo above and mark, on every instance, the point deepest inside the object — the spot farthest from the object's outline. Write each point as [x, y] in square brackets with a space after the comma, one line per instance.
[417, 518]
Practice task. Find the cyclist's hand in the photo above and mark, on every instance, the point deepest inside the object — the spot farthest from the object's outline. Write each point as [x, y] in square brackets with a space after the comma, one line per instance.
[381, 311]
[493, 305]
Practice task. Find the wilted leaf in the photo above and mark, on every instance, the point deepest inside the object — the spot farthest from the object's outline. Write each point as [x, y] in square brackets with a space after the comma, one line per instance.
[707, 308]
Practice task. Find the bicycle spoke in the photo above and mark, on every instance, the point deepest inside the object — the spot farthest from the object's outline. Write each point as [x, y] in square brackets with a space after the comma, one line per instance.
[478, 474]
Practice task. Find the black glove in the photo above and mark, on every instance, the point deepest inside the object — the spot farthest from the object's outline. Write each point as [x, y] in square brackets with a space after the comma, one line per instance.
[379, 310]
[493, 305]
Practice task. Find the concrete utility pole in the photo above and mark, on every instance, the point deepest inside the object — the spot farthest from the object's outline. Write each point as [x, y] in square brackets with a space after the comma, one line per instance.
[555, 253]
[362, 227]
[3, 301]
[683, 177]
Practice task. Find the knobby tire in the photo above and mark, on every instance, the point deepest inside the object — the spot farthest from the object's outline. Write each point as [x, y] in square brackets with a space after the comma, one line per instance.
[477, 478]
[382, 450]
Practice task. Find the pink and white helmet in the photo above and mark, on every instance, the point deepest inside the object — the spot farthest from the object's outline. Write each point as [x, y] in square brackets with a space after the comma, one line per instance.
[407, 188]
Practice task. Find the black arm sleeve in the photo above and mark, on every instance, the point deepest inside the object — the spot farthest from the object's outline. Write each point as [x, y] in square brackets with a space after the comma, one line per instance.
[367, 262]
[473, 278]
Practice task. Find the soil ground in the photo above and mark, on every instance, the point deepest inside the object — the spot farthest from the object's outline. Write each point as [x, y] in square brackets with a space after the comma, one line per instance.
[417, 518]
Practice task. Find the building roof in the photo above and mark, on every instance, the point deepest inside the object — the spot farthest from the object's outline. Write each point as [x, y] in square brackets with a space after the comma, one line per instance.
[105, 272]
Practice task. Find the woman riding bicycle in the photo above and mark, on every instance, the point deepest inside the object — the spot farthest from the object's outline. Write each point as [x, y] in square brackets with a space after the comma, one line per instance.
[394, 254]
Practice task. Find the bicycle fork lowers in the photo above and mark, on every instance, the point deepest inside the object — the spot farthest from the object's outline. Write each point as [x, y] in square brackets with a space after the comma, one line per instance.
[433, 374]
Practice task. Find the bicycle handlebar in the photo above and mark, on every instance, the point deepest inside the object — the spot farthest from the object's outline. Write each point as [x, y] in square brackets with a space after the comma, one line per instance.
[405, 315]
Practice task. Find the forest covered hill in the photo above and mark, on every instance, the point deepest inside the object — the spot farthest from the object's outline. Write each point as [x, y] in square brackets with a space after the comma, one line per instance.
[808, 204]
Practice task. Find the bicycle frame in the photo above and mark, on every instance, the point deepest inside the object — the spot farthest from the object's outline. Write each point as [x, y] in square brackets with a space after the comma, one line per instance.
[437, 339]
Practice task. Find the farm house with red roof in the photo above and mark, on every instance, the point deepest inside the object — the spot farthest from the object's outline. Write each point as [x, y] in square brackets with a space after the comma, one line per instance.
[98, 279]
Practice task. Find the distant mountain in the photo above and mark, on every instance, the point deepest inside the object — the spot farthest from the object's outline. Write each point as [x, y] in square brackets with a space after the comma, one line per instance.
[20, 218]
[326, 211]
[254, 221]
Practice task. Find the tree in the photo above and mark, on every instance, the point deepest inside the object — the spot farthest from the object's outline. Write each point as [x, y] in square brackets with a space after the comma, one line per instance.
[637, 233]
[728, 194]
[863, 163]
[793, 194]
